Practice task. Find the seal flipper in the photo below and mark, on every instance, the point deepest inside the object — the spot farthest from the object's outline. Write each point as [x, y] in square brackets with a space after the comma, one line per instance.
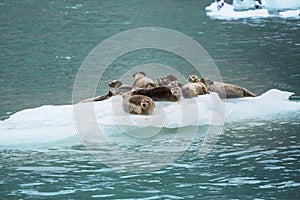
[104, 97]
[99, 98]
[247, 93]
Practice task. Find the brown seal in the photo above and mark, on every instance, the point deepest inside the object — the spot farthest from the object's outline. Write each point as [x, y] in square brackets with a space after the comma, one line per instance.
[138, 104]
[190, 90]
[161, 93]
[169, 80]
[99, 98]
[194, 87]
[166, 80]
[119, 87]
[194, 79]
[226, 90]
[141, 81]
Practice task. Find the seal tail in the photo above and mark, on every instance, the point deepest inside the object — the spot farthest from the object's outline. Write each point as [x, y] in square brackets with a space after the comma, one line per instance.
[247, 93]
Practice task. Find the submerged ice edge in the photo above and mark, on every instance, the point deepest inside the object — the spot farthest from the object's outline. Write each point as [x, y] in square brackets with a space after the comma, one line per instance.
[54, 123]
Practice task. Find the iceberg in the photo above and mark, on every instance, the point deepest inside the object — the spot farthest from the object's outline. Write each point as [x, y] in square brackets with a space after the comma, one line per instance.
[52, 123]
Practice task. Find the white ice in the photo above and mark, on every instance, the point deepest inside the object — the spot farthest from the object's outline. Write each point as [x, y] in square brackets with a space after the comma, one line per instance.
[53, 123]
[245, 9]
[228, 12]
[290, 14]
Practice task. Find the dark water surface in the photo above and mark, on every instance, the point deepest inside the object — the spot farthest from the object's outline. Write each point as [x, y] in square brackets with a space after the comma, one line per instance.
[43, 44]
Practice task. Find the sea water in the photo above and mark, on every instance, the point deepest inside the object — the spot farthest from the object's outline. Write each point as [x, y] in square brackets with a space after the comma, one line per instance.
[255, 156]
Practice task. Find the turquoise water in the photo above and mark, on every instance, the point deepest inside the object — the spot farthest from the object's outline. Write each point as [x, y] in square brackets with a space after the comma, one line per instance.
[43, 44]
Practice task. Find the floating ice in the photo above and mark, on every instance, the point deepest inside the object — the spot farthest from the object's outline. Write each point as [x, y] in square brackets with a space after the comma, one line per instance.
[270, 4]
[271, 103]
[290, 14]
[228, 12]
[55, 123]
[214, 7]
[245, 9]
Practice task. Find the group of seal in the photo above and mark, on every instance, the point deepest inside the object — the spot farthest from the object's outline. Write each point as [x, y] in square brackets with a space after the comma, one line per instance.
[139, 98]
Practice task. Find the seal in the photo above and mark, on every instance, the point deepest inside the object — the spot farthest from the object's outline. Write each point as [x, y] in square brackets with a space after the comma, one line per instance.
[226, 90]
[194, 87]
[161, 93]
[220, 4]
[138, 104]
[99, 98]
[165, 80]
[190, 90]
[169, 80]
[141, 81]
[194, 79]
[119, 87]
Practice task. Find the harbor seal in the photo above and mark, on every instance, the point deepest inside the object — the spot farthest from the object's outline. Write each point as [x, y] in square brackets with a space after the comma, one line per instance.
[119, 87]
[194, 87]
[220, 4]
[190, 90]
[259, 4]
[138, 104]
[99, 98]
[169, 80]
[141, 81]
[166, 80]
[226, 90]
[161, 93]
[194, 79]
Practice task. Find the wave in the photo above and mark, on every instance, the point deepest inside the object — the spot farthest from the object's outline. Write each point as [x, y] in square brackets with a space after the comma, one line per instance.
[51, 123]
[244, 9]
